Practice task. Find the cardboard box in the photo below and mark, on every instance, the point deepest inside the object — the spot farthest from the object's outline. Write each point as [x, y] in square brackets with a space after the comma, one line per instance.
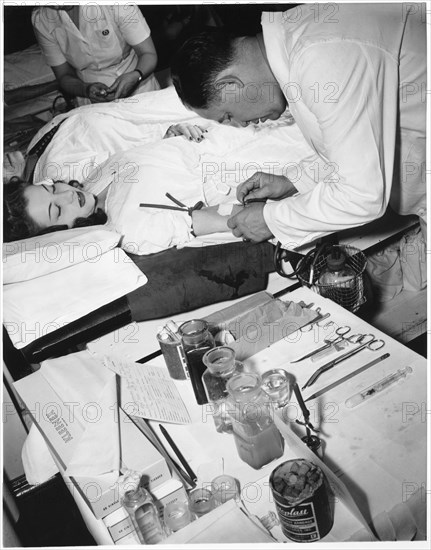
[137, 454]
[259, 321]
[62, 435]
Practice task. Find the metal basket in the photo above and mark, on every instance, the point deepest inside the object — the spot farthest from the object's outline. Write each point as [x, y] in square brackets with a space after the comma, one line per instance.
[350, 294]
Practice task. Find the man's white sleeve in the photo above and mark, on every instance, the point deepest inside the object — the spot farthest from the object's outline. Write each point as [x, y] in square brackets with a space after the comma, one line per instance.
[352, 94]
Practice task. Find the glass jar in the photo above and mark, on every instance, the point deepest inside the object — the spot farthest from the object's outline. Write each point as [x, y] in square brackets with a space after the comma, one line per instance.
[144, 515]
[337, 280]
[257, 438]
[221, 366]
[201, 501]
[197, 340]
[176, 515]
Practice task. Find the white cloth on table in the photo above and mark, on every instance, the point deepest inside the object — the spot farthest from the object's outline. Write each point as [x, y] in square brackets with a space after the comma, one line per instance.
[347, 75]
[102, 48]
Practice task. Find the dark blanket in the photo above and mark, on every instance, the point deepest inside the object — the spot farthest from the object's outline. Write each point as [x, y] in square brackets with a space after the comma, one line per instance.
[189, 278]
[178, 281]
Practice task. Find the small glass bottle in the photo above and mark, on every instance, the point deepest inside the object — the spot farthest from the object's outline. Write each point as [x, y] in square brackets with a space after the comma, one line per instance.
[257, 438]
[221, 366]
[197, 340]
[144, 515]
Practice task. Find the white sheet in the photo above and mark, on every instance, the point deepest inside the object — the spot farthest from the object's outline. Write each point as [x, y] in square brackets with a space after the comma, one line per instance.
[26, 68]
[92, 133]
[121, 143]
[209, 171]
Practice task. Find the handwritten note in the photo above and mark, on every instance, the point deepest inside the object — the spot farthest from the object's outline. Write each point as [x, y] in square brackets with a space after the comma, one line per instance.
[153, 393]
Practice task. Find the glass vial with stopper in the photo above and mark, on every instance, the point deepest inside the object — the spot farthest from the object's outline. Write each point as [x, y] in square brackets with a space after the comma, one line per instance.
[144, 515]
[221, 366]
[197, 340]
[257, 438]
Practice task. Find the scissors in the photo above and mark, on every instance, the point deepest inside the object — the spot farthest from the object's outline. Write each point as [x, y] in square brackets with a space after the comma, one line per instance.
[340, 332]
[367, 341]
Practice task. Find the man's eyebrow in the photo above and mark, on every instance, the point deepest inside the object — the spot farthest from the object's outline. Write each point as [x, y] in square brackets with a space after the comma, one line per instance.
[50, 204]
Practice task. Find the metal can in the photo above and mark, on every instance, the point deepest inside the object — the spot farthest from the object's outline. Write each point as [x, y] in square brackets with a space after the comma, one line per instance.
[301, 495]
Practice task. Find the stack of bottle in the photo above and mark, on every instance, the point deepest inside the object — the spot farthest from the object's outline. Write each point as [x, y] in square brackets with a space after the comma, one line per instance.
[151, 528]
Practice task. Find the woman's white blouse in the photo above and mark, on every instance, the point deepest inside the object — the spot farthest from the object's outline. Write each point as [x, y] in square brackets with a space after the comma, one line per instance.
[102, 48]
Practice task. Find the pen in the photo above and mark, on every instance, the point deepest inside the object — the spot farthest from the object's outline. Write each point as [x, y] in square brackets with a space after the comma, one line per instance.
[348, 376]
[180, 457]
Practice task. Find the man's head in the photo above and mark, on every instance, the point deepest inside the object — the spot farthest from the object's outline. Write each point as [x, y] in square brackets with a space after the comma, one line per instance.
[29, 210]
[226, 78]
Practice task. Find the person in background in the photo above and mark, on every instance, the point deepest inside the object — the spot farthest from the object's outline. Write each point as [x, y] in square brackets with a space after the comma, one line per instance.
[354, 80]
[98, 53]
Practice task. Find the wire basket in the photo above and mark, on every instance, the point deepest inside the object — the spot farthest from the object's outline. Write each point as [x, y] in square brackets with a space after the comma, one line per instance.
[350, 293]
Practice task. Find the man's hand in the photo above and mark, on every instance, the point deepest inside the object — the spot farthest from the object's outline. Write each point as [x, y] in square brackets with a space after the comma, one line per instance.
[250, 224]
[193, 132]
[97, 92]
[265, 186]
[124, 85]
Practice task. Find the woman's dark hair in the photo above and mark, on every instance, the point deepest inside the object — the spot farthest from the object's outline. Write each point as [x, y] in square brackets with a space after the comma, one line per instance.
[197, 63]
[17, 224]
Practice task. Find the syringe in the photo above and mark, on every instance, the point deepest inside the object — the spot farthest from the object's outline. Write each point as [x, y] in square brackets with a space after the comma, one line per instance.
[377, 387]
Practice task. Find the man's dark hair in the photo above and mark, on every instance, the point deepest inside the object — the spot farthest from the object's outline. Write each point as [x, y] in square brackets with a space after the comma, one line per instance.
[197, 63]
[17, 224]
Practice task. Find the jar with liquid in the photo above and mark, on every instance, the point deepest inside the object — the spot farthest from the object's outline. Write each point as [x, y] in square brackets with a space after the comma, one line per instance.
[257, 438]
[197, 340]
[144, 515]
[337, 280]
[221, 366]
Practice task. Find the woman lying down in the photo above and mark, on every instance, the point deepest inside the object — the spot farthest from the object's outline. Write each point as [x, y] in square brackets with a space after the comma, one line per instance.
[128, 191]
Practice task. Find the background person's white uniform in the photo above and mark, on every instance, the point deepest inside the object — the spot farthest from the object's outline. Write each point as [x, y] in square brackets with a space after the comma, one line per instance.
[354, 77]
[101, 49]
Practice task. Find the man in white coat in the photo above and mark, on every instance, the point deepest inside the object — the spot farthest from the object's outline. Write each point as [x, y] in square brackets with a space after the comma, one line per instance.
[354, 79]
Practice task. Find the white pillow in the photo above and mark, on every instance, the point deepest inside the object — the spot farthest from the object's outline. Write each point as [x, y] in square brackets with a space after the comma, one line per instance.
[39, 306]
[30, 258]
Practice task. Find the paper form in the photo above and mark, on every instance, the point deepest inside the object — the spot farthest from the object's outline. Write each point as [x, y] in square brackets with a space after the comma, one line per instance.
[153, 394]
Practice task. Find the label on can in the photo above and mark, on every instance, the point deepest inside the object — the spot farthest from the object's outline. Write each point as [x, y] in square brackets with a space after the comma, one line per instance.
[299, 522]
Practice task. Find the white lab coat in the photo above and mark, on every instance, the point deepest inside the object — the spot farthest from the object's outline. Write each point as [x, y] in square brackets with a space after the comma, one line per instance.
[355, 79]
[102, 48]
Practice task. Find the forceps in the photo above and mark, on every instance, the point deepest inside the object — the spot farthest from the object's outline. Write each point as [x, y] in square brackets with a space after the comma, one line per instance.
[340, 332]
[366, 341]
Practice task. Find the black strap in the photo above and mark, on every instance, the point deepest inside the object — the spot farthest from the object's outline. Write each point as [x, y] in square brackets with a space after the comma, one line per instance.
[39, 148]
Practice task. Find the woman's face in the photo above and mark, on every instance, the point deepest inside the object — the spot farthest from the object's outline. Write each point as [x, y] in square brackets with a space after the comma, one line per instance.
[58, 204]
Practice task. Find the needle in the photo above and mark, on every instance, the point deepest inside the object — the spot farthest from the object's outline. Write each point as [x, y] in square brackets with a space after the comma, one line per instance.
[348, 376]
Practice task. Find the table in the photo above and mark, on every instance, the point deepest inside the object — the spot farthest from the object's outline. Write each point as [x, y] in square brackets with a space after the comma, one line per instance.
[377, 449]
[358, 441]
